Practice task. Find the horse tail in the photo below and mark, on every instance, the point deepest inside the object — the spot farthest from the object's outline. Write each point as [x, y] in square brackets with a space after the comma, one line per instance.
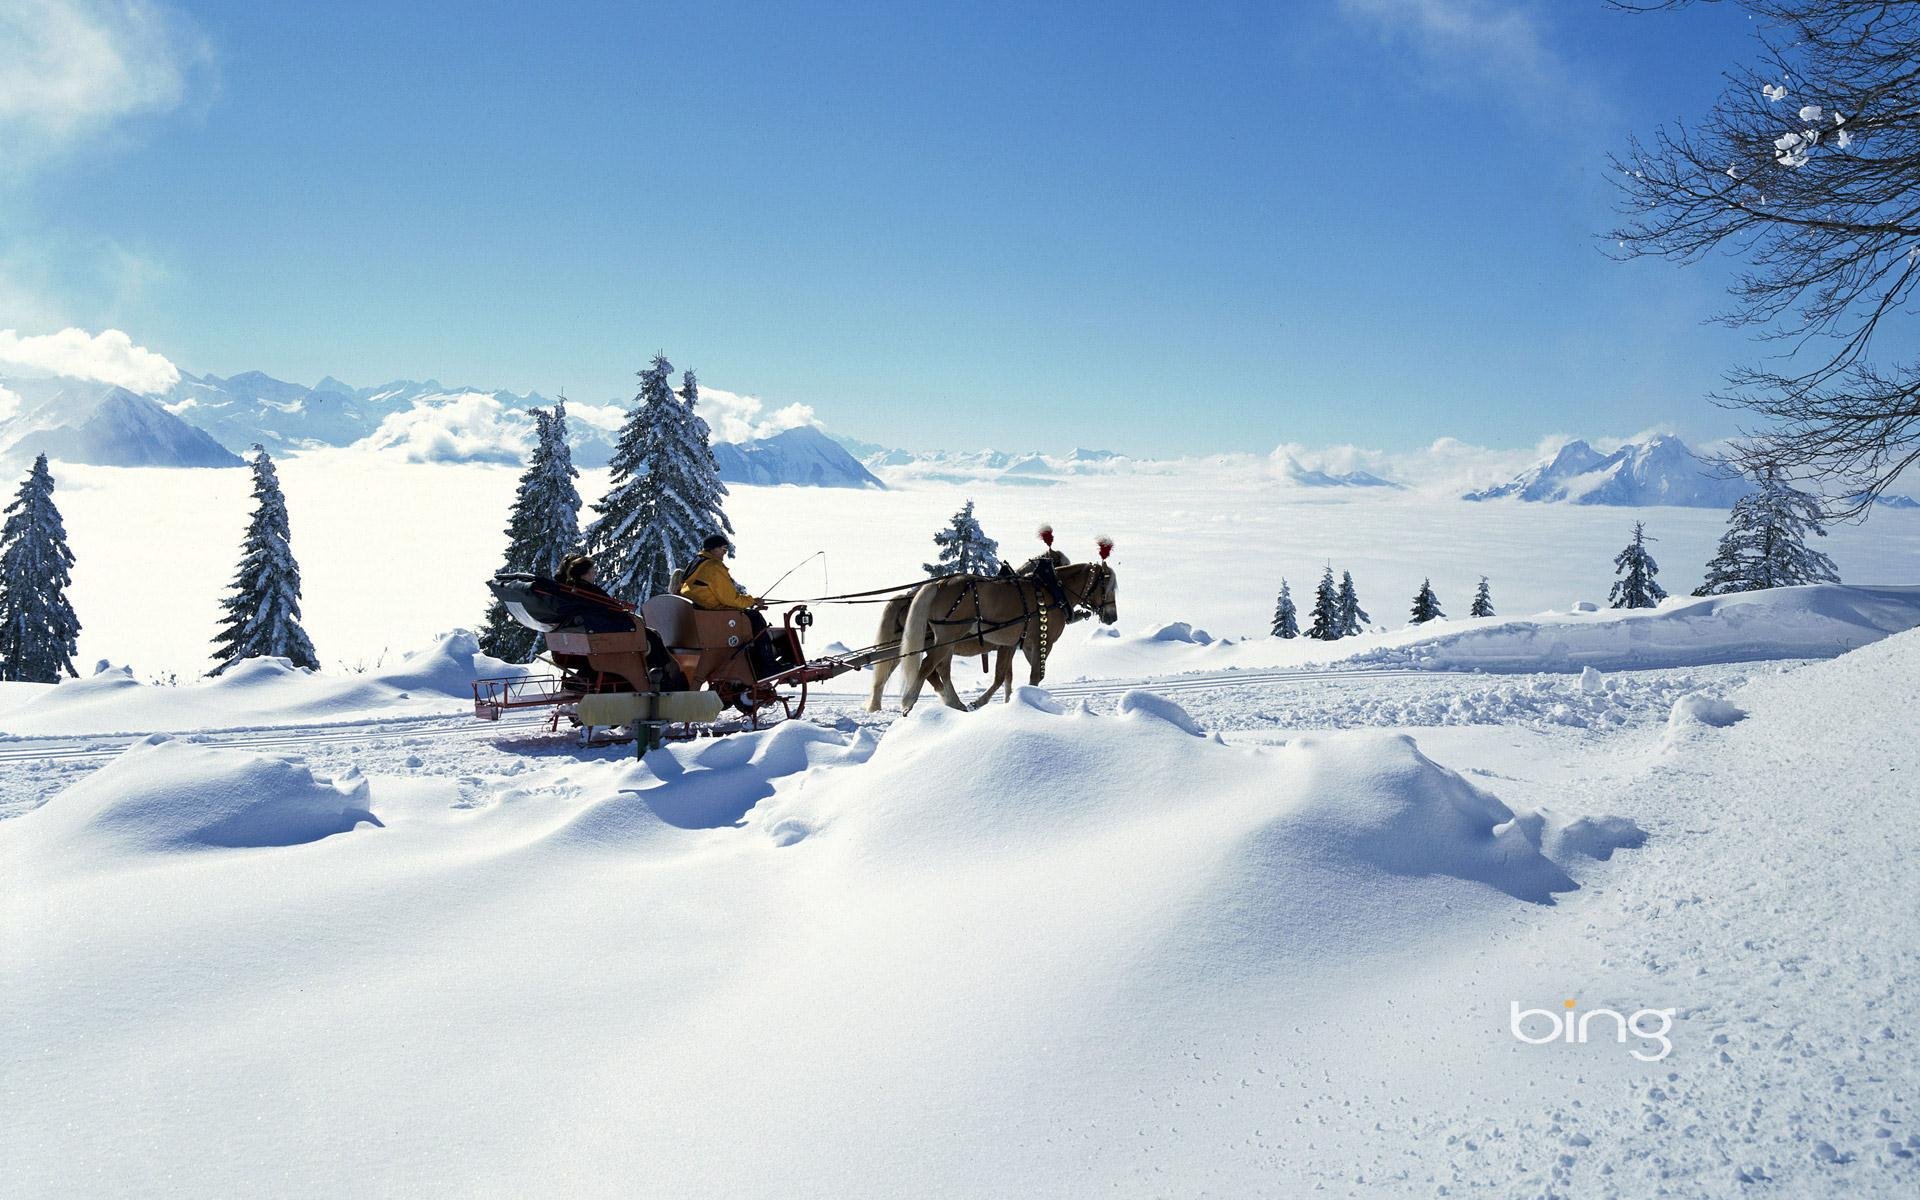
[918, 631]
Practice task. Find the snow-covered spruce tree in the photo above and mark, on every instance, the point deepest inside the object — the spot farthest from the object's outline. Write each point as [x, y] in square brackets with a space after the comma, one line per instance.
[263, 613]
[37, 625]
[1325, 625]
[964, 548]
[1353, 619]
[664, 495]
[1426, 605]
[1636, 587]
[1765, 545]
[1482, 601]
[542, 527]
[1286, 618]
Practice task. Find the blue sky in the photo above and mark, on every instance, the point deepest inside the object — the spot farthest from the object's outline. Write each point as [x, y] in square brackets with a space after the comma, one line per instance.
[1152, 227]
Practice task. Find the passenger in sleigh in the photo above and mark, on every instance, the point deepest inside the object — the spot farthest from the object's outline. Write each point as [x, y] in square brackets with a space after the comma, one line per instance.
[580, 575]
[709, 585]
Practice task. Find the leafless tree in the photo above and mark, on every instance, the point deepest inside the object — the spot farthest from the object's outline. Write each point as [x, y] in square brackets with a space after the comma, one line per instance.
[1808, 169]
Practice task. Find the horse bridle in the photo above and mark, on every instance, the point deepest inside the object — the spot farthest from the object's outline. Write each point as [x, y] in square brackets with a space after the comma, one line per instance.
[1100, 574]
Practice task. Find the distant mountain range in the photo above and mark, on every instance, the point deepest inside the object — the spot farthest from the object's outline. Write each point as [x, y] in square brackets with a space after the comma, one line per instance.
[208, 421]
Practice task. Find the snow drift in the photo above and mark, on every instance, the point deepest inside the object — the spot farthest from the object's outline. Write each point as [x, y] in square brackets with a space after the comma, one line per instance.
[257, 692]
[1813, 621]
[162, 797]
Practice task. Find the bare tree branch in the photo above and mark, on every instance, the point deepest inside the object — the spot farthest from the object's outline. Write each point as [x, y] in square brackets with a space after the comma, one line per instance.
[1808, 168]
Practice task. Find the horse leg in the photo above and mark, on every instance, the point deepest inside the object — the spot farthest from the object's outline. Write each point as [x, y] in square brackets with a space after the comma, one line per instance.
[882, 671]
[1001, 658]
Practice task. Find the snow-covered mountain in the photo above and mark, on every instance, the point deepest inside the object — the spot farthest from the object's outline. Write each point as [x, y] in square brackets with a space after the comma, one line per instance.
[803, 456]
[1290, 469]
[1660, 470]
[97, 423]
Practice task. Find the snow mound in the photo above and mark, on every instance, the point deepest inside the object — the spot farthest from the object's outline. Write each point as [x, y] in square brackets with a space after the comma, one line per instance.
[1815, 621]
[1135, 841]
[1152, 707]
[161, 796]
[1700, 708]
[261, 692]
[710, 784]
[1177, 631]
[446, 668]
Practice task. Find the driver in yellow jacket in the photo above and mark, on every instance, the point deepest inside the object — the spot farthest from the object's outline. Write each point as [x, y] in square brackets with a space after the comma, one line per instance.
[710, 585]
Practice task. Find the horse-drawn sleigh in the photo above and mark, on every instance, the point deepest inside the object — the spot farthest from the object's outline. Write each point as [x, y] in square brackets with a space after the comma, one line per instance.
[666, 669]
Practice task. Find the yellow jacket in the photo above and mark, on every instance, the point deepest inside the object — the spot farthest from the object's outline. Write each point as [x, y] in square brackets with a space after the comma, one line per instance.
[709, 585]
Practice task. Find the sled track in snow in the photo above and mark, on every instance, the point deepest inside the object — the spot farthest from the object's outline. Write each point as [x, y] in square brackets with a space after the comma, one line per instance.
[81, 747]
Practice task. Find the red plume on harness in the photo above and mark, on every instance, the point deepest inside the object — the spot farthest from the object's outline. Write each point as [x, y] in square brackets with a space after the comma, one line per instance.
[1106, 547]
[1046, 535]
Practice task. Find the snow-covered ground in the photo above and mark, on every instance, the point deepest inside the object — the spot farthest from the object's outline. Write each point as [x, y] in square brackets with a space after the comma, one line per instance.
[1212, 914]
[1227, 929]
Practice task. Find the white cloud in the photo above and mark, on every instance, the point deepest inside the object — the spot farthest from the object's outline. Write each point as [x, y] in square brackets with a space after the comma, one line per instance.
[1483, 44]
[108, 357]
[9, 404]
[70, 69]
[470, 427]
[737, 418]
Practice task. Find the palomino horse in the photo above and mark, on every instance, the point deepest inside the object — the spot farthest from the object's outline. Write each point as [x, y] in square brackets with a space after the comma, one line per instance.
[893, 624]
[964, 617]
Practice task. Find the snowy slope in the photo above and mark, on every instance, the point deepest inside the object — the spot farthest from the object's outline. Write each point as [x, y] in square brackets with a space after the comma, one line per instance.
[1816, 621]
[1659, 471]
[979, 950]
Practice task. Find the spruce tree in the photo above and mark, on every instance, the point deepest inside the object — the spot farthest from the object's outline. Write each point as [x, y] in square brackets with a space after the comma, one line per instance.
[263, 613]
[664, 495]
[1426, 605]
[1482, 601]
[964, 548]
[1636, 587]
[542, 527]
[1286, 619]
[1353, 619]
[1765, 545]
[1326, 610]
[38, 631]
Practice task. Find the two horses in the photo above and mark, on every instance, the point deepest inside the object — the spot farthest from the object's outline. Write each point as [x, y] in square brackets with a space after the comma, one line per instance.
[968, 615]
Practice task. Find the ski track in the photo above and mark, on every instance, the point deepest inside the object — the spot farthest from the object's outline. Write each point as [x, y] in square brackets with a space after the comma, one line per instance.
[32, 769]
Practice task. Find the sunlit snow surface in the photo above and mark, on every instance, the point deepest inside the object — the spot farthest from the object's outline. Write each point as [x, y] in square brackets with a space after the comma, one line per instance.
[1198, 918]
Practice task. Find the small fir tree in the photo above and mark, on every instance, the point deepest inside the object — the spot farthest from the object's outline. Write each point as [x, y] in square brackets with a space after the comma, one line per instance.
[542, 527]
[1765, 545]
[1482, 601]
[1353, 619]
[263, 613]
[664, 494]
[38, 630]
[964, 548]
[1286, 618]
[1325, 624]
[1636, 587]
[1426, 605]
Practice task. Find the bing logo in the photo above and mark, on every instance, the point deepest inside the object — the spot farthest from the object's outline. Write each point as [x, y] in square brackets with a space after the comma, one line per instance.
[1541, 1026]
